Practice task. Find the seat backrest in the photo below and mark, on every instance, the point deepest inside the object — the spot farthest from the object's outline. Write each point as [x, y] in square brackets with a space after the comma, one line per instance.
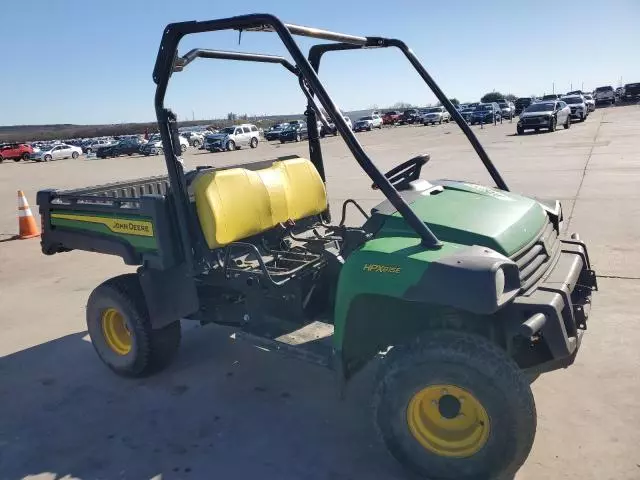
[238, 203]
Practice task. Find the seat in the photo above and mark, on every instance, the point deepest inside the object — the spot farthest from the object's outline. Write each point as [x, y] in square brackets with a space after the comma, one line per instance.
[237, 203]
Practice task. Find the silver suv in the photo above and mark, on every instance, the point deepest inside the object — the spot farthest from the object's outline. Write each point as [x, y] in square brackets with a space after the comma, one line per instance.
[232, 138]
[605, 95]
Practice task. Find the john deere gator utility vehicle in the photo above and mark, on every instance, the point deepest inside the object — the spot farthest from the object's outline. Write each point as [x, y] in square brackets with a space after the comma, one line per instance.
[460, 292]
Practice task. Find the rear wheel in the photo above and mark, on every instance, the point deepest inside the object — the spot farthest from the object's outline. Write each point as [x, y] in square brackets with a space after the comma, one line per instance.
[196, 144]
[120, 329]
[455, 406]
[183, 147]
[1, 159]
[89, 151]
[298, 137]
[254, 142]
[159, 151]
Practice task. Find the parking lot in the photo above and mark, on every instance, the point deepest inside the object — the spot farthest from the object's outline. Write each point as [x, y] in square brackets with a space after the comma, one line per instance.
[228, 410]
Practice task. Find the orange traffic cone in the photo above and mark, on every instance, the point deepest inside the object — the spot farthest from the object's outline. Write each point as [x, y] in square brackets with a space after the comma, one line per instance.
[26, 222]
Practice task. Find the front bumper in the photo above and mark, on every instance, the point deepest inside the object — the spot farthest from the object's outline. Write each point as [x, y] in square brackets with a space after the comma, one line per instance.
[605, 99]
[484, 119]
[577, 113]
[559, 306]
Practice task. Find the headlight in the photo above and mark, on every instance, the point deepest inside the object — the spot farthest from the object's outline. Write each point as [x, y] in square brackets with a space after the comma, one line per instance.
[499, 282]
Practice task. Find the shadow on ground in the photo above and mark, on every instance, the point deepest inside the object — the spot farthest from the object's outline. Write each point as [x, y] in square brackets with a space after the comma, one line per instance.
[223, 409]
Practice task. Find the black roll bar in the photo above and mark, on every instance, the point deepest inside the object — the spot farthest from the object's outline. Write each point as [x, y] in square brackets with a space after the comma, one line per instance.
[317, 51]
[168, 61]
[191, 55]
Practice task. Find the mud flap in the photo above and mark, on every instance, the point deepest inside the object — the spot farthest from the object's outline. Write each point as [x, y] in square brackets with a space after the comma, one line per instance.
[169, 294]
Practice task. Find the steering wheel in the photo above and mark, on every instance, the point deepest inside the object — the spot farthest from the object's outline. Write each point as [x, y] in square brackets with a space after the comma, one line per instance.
[405, 173]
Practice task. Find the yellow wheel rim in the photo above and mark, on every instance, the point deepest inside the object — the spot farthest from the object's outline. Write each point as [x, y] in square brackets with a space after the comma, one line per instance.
[115, 330]
[448, 421]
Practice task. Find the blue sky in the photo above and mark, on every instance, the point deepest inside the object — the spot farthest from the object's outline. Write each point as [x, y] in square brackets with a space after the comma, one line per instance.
[79, 61]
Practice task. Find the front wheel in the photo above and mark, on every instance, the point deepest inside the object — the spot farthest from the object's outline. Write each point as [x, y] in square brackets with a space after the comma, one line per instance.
[120, 329]
[196, 144]
[47, 158]
[231, 145]
[552, 124]
[520, 130]
[298, 138]
[567, 124]
[254, 142]
[582, 117]
[183, 147]
[455, 406]
[74, 155]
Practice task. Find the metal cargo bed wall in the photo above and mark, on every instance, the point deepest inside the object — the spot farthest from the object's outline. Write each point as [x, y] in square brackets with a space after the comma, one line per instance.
[132, 220]
[130, 189]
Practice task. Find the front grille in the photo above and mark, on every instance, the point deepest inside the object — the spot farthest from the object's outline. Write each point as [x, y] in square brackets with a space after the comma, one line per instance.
[534, 260]
[531, 120]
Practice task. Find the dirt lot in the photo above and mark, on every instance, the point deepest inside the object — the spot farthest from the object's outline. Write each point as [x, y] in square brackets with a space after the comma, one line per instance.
[228, 410]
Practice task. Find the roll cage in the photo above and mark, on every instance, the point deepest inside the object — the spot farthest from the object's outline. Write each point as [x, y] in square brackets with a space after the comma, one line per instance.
[168, 61]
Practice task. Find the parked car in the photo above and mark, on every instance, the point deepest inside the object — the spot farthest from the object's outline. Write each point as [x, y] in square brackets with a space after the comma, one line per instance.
[391, 118]
[486, 113]
[631, 92]
[367, 123]
[56, 152]
[507, 109]
[15, 152]
[605, 95]
[273, 133]
[154, 145]
[233, 138]
[409, 116]
[547, 115]
[435, 115]
[294, 133]
[522, 103]
[127, 146]
[579, 109]
[332, 130]
[466, 113]
[195, 139]
[591, 103]
[551, 96]
[93, 145]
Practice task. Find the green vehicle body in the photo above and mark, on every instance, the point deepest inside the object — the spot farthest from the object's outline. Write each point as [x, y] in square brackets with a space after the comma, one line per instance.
[387, 266]
[371, 308]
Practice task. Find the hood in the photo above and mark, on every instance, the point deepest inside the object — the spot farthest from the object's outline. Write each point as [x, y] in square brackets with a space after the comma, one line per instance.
[466, 214]
[216, 136]
[536, 114]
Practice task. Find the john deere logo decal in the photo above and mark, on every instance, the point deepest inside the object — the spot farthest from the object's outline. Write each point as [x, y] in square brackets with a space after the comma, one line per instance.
[142, 228]
[132, 227]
